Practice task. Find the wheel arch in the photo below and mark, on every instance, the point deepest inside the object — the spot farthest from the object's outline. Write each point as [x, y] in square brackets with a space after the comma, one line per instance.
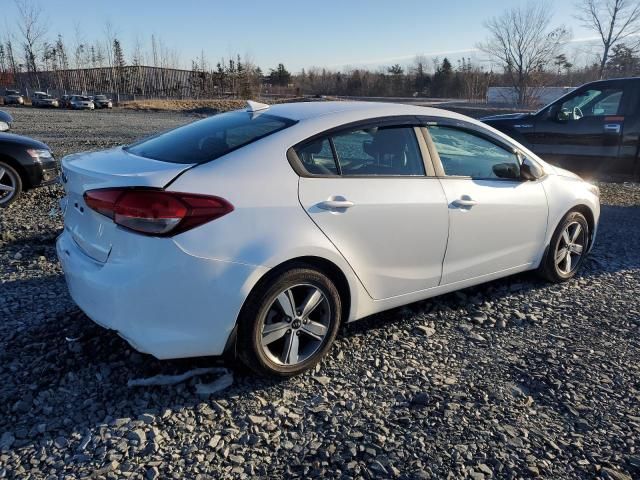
[590, 217]
[329, 268]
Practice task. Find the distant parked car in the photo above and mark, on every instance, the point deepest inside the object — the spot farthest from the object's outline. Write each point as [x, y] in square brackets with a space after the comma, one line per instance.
[13, 97]
[65, 101]
[173, 242]
[25, 163]
[42, 99]
[5, 121]
[81, 102]
[101, 101]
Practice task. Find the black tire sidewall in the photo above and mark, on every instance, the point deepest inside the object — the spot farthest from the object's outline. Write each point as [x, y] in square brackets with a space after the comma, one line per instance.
[16, 194]
[255, 310]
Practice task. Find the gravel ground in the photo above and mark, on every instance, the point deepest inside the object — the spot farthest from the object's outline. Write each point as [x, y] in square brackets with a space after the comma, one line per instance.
[512, 379]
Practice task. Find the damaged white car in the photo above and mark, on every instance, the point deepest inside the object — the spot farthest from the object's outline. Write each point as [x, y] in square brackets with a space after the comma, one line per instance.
[261, 231]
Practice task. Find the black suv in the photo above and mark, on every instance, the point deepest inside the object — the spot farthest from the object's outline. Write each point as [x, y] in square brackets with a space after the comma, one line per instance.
[593, 130]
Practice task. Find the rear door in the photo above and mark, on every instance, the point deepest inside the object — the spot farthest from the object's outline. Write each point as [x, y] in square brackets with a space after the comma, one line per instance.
[583, 131]
[496, 221]
[366, 188]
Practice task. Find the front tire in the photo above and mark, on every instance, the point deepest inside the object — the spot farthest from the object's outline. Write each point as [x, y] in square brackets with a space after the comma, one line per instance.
[289, 322]
[10, 184]
[567, 249]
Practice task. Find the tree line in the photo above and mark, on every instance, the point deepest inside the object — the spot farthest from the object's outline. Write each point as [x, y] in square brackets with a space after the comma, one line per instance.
[523, 49]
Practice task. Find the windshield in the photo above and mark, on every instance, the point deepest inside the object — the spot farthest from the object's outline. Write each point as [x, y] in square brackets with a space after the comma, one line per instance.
[210, 138]
[83, 99]
[100, 97]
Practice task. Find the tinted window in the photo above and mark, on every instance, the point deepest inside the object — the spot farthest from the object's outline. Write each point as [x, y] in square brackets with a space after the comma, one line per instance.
[379, 151]
[317, 157]
[210, 138]
[590, 103]
[465, 154]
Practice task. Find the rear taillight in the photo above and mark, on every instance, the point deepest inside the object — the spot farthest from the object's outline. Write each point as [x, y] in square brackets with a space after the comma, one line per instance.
[156, 212]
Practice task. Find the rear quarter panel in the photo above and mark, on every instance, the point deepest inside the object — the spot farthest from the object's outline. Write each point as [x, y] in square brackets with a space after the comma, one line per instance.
[268, 225]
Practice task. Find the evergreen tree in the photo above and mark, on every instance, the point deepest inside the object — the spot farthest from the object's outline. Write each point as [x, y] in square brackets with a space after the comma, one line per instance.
[280, 76]
[118, 55]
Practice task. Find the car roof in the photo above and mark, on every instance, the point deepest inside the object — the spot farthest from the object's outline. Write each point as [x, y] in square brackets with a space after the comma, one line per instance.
[300, 111]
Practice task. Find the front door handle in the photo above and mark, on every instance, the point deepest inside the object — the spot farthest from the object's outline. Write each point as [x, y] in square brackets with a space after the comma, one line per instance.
[612, 128]
[465, 201]
[335, 204]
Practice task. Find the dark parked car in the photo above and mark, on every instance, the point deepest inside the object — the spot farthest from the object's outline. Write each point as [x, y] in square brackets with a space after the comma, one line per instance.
[25, 163]
[102, 101]
[13, 97]
[65, 101]
[593, 130]
[5, 121]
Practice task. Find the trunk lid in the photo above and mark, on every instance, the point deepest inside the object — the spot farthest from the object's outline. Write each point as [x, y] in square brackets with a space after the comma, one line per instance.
[94, 233]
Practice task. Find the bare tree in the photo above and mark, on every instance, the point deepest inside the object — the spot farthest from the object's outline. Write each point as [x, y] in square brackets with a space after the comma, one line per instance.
[612, 20]
[522, 41]
[32, 31]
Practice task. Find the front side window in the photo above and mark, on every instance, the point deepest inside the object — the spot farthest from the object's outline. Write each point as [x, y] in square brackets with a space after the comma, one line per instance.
[591, 103]
[468, 155]
[211, 138]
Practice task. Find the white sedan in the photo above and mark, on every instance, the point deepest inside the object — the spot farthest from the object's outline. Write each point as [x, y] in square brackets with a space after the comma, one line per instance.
[261, 231]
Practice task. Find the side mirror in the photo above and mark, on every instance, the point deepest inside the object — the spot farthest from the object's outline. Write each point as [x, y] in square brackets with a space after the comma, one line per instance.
[506, 170]
[564, 115]
[529, 170]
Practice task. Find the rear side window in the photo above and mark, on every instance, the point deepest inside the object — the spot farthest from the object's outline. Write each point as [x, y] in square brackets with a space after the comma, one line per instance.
[211, 138]
[317, 158]
[377, 151]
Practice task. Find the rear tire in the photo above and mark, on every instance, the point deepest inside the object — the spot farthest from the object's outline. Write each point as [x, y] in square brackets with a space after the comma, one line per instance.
[567, 249]
[10, 184]
[289, 322]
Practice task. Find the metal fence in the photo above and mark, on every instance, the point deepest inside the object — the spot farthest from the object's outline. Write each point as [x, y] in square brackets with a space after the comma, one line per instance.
[125, 83]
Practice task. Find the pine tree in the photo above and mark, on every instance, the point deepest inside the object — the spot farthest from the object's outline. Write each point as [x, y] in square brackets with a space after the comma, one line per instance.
[118, 55]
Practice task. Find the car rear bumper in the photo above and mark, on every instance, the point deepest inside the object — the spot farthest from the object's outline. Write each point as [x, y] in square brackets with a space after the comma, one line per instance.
[163, 301]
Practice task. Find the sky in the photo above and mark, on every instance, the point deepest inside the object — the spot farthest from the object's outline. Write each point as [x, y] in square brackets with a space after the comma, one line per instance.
[331, 33]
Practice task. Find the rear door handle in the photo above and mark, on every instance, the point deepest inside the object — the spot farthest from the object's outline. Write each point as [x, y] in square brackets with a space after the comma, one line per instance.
[464, 202]
[335, 204]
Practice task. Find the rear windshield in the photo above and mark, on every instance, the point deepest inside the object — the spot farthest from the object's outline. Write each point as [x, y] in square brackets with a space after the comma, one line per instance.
[211, 138]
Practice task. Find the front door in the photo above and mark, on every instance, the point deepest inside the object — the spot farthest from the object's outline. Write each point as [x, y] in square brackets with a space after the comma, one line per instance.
[366, 189]
[496, 221]
[583, 131]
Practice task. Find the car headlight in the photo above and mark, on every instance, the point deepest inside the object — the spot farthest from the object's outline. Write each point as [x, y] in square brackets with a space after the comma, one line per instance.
[39, 154]
[4, 126]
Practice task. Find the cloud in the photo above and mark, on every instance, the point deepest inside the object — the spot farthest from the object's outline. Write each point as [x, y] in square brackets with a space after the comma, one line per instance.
[402, 58]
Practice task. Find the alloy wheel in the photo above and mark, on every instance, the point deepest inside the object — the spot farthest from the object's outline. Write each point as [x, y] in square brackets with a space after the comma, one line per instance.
[296, 324]
[570, 248]
[8, 185]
